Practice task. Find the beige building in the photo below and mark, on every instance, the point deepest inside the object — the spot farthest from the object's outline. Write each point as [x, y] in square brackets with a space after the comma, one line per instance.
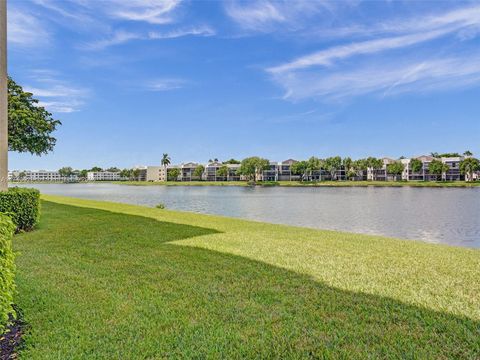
[156, 173]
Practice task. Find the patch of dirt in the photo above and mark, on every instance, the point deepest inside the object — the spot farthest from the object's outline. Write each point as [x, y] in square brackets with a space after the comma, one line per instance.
[11, 340]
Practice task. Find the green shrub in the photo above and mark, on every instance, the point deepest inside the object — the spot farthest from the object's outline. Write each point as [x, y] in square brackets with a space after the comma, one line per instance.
[22, 205]
[7, 269]
[160, 206]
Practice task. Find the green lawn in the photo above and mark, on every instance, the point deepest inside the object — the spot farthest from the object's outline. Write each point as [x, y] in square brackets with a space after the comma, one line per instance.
[308, 184]
[100, 280]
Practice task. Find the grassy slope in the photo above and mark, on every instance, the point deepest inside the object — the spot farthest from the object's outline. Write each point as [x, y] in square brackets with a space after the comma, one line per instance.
[103, 280]
[309, 184]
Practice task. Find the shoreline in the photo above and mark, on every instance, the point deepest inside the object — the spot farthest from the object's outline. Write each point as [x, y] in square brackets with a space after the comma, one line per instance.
[422, 184]
[309, 184]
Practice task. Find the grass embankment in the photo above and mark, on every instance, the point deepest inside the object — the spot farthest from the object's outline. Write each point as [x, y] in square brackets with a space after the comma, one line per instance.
[104, 280]
[308, 184]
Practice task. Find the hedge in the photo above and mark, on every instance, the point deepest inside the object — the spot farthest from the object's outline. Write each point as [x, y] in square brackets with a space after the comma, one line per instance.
[7, 269]
[22, 205]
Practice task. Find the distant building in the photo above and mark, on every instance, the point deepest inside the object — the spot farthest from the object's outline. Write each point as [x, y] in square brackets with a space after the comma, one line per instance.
[103, 176]
[39, 176]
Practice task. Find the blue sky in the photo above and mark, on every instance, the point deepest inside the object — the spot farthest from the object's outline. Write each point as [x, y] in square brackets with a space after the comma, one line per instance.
[279, 79]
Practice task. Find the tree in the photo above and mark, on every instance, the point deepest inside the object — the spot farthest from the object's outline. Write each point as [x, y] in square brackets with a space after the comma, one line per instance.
[300, 168]
[126, 173]
[172, 174]
[467, 153]
[252, 167]
[359, 168]
[437, 168]
[30, 126]
[313, 164]
[468, 166]
[332, 165]
[374, 163]
[136, 174]
[347, 164]
[83, 174]
[395, 169]
[222, 171]
[113, 169]
[198, 172]
[96, 169]
[231, 161]
[165, 160]
[66, 171]
[416, 165]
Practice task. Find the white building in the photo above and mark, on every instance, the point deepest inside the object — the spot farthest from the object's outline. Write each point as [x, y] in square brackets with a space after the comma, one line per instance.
[38, 175]
[103, 176]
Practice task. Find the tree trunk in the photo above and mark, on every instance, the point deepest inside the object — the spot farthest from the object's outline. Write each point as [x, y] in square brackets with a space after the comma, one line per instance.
[3, 98]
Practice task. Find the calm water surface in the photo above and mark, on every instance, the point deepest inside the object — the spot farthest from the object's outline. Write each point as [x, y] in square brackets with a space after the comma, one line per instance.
[437, 215]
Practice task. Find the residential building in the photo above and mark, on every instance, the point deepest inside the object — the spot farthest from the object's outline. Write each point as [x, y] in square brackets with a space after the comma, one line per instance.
[453, 173]
[233, 172]
[285, 171]
[104, 176]
[187, 171]
[211, 170]
[156, 173]
[39, 175]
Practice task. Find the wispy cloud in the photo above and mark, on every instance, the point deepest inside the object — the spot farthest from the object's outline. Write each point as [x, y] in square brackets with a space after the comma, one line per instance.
[25, 30]
[151, 11]
[265, 15]
[54, 94]
[121, 36]
[327, 57]
[412, 76]
[339, 72]
[165, 84]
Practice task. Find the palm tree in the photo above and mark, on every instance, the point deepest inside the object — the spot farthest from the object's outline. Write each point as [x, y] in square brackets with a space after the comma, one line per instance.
[468, 167]
[468, 153]
[165, 160]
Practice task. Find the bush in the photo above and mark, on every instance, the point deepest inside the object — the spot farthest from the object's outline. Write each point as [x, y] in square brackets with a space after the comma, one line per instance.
[160, 206]
[7, 269]
[22, 205]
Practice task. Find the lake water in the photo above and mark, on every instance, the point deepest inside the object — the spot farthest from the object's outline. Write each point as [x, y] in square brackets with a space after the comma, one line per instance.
[437, 215]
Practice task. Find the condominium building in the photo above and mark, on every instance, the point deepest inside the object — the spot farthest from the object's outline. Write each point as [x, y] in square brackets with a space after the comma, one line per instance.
[282, 171]
[453, 173]
[285, 171]
[211, 172]
[187, 172]
[39, 175]
[103, 176]
[156, 173]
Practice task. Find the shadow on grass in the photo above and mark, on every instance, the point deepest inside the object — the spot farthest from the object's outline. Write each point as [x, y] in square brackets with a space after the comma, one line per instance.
[98, 284]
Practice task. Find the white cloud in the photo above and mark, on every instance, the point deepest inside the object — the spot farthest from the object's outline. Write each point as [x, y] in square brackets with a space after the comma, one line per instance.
[121, 37]
[193, 31]
[339, 72]
[326, 57]
[265, 15]
[54, 94]
[151, 11]
[61, 106]
[25, 30]
[166, 84]
[383, 80]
